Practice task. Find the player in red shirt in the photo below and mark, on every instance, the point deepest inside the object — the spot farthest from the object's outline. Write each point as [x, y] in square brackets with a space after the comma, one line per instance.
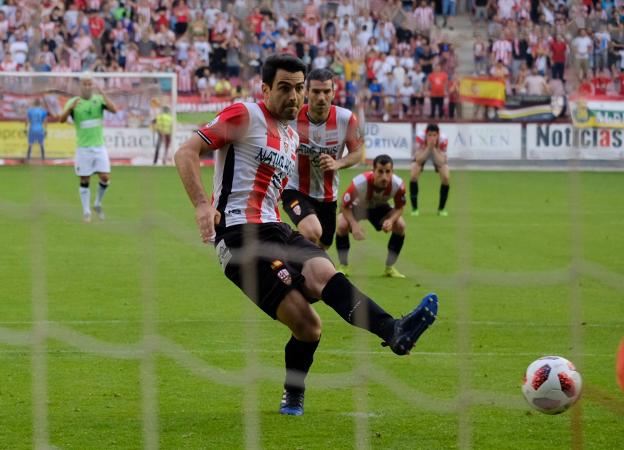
[367, 198]
[276, 267]
[558, 50]
[325, 132]
[437, 83]
[430, 144]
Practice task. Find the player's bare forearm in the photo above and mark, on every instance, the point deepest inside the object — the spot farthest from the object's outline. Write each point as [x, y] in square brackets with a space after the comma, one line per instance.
[65, 114]
[109, 104]
[187, 163]
[347, 213]
[351, 159]
[395, 214]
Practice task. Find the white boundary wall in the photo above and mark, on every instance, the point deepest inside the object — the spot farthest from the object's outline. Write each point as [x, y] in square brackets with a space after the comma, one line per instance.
[504, 143]
[507, 144]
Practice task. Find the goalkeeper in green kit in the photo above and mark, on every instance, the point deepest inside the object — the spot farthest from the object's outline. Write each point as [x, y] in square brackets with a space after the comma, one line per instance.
[87, 112]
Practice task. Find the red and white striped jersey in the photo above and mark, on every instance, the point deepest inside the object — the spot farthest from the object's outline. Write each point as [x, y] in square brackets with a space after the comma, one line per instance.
[361, 193]
[339, 130]
[442, 141]
[502, 51]
[185, 78]
[256, 154]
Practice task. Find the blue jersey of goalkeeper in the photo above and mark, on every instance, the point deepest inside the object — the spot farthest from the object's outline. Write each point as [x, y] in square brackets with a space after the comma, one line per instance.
[36, 117]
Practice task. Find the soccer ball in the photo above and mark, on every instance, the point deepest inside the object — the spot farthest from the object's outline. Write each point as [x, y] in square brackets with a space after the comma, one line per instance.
[552, 384]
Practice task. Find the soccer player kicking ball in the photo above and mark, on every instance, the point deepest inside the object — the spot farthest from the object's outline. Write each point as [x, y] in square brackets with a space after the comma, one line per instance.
[87, 111]
[430, 144]
[324, 131]
[367, 198]
[277, 268]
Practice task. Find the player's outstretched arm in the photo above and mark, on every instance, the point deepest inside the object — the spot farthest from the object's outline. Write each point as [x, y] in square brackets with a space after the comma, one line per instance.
[187, 163]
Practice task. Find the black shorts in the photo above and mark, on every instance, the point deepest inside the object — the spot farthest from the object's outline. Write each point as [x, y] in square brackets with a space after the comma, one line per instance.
[299, 205]
[374, 215]
[265, 260]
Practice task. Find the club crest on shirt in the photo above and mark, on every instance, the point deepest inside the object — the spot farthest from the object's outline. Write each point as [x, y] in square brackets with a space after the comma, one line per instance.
[276, 264]
[284, 276]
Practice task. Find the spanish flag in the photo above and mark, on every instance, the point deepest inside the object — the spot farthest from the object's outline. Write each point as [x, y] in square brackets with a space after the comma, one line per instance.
[487, 91]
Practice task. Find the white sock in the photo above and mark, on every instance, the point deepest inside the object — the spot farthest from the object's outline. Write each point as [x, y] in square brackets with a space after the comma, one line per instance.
[85, 199]
[100, 193]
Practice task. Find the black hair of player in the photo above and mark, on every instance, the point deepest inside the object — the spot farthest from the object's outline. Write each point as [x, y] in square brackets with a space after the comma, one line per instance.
[288, 63]
[382, 160]
[321, 75]
[432, 127]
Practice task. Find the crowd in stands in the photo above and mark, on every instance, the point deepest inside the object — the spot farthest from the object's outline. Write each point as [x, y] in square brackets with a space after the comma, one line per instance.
[393, 56]
[550, 47]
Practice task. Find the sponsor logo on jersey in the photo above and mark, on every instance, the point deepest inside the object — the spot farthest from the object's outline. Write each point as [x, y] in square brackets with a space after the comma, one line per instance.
[275, 159]
[307, 149]
[278, 160]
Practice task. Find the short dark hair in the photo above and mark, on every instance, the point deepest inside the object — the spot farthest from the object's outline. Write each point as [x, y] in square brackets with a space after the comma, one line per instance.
[288, 63]
[382, 160]
[432, 127]
[321, 75]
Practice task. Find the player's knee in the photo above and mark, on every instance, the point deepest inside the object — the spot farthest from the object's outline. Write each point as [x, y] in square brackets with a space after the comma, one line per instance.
[84, 182]
[342, 226]
[313, 329]
[104, 177]
[312, 232]
[314, 236]
[399, 227]
[308, 327]
[317, 273]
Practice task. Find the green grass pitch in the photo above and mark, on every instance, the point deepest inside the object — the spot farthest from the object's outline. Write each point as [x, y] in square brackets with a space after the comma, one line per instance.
[527, 264]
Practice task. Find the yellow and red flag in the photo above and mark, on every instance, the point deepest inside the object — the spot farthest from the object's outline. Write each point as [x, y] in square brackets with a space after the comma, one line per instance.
[487, 91]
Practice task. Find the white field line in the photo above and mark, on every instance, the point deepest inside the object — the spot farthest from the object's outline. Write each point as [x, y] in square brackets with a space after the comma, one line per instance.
[439, 321]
